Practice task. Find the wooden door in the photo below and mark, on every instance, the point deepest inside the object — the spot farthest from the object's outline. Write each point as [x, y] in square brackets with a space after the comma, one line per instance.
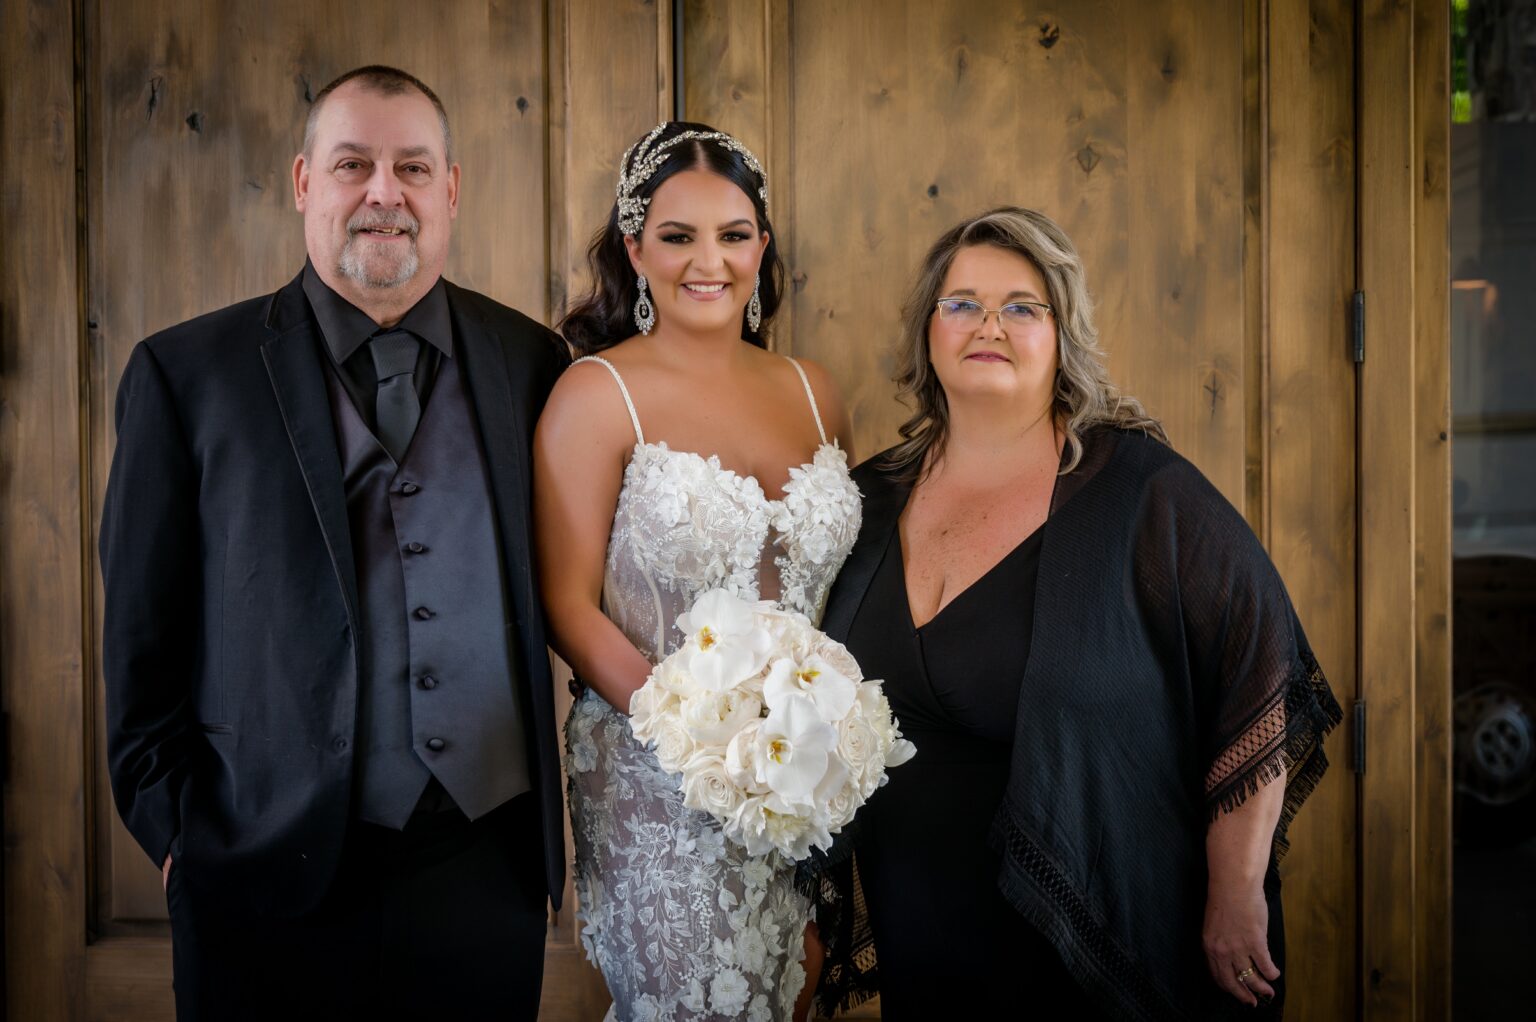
[1201, 156]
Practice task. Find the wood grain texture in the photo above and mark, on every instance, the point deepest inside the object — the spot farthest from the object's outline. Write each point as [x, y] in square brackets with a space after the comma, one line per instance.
[42, 626]
[1388, 427]
[125, 980]
[611, 79]
[1122, 121]
[1310, 421]
[1432, 506]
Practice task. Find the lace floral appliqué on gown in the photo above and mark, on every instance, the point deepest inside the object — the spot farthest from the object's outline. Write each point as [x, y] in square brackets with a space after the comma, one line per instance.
[683, 924]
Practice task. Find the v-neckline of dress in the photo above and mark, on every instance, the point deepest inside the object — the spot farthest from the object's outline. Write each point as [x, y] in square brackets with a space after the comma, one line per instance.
[906, 593]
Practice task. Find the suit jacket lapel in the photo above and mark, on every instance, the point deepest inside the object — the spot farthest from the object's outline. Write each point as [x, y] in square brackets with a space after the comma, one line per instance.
[504, 439]
[884, 498]
[292, 356]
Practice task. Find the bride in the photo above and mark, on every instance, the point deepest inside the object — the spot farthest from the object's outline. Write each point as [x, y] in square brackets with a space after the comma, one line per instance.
[679, 455]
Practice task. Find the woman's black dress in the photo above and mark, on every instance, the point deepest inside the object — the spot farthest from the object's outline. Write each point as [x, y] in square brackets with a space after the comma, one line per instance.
[947, 938]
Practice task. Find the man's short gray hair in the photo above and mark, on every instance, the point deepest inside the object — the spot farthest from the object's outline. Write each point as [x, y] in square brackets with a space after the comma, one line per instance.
[388, 81]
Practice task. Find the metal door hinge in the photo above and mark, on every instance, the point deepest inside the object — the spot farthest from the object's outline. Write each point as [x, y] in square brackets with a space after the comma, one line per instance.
[1357, 327]
[1358, 751]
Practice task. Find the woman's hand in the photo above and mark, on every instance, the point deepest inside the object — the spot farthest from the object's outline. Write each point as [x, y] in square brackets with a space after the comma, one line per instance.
[1236, 932]
[1236, 937]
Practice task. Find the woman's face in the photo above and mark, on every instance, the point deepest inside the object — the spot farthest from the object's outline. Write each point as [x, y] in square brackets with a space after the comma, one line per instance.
[1001, 355]
[699, 250]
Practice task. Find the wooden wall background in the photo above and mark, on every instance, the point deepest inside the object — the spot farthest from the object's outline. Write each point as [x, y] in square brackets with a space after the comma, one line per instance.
[1227, 181]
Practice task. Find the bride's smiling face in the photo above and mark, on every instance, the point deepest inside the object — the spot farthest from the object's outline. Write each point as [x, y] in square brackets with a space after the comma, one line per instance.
[699, 250]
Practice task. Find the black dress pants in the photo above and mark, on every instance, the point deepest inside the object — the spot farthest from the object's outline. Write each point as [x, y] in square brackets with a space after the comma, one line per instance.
[443, 920]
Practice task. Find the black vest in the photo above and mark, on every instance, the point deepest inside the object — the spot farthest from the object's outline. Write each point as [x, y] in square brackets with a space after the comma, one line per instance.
[438, 695]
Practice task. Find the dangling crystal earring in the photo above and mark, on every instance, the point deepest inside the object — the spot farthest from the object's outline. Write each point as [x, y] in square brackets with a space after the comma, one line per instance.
[645, 312]
[755, 305]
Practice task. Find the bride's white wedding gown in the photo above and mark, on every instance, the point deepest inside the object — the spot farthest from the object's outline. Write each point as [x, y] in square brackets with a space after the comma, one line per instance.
[683, 924]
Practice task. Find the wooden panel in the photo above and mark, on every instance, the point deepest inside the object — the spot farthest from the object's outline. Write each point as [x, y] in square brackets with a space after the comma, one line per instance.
[41, 606]
[615, 85]
[1310, 421]
[1388, 442]
[1130, 135]
[736, 78]
[1430, 179]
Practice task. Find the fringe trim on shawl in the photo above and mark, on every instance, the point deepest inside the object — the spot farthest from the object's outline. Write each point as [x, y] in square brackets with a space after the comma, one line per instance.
[850, 974]
[1037, 888]
[1310, 713]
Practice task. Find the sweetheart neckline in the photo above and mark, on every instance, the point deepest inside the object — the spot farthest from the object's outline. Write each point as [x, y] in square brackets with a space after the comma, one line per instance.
[713, 461]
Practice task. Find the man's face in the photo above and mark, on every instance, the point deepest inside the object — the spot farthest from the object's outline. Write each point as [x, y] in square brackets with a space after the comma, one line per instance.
[378, 196]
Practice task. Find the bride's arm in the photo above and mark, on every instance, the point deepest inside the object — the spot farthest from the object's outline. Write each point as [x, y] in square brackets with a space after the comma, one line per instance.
[578, 468]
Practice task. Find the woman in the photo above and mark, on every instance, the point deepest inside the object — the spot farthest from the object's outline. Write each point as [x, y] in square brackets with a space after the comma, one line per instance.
[683, 458]
[1115, 708]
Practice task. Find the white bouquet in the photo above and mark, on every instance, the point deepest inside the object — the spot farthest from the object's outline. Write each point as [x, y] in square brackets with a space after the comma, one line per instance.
[770, 724]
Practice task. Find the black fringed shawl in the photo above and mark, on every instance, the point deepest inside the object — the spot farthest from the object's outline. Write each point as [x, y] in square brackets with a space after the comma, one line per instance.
[1168, 680]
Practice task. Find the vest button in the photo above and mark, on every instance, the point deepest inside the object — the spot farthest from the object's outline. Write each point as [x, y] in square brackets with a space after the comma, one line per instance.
[436, 744]
[424, 614]
[415, 548]
[410, 489]
[427, 682]
[339, 744]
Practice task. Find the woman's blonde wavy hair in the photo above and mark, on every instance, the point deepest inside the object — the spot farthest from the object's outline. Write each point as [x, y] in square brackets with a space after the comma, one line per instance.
[1084, 397]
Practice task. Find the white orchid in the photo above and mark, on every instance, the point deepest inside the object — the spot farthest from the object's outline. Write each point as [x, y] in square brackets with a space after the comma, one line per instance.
[794, 748]
[726, 644]
[831, 690]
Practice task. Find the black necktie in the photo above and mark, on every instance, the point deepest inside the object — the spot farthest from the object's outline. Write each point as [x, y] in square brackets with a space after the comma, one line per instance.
[397, 410]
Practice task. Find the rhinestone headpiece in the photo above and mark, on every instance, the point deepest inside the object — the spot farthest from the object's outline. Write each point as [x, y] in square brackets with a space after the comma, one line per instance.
[650, 155]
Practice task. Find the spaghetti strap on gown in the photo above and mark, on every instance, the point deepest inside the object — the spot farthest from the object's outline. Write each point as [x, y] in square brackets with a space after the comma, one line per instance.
[683, 924]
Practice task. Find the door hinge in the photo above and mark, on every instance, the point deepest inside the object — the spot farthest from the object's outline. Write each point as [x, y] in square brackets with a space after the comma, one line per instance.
[1357, 327]
[1358, 750]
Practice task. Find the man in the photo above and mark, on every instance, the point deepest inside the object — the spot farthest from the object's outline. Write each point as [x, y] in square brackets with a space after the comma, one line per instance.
[328, 697]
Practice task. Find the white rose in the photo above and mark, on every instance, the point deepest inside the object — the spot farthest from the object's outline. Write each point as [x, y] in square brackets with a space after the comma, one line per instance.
[713, 718]
[858, 746]
[649, 702]
[749, 826]
[670, 676]
[741, 758]
[673, 745]
[841, 806]
[708, 786]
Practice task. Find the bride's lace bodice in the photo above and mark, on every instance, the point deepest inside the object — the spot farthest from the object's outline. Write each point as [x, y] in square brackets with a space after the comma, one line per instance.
[684, 525]
[684, 925]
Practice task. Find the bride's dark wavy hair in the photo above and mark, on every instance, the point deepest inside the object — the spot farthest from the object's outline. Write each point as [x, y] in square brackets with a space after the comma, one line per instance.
[604, 316]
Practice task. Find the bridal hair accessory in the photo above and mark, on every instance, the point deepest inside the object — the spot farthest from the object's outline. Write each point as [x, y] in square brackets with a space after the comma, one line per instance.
[649, 155]
[645, 312]
[755, 305]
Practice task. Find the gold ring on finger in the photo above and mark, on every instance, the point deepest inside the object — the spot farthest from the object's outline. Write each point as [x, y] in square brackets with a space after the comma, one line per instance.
[1242, 977]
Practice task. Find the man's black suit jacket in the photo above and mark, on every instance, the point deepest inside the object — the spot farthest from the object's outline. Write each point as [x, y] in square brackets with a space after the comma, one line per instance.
[230, 647]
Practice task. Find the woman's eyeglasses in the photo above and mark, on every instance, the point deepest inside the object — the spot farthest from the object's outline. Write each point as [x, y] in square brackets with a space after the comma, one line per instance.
[970, 314]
